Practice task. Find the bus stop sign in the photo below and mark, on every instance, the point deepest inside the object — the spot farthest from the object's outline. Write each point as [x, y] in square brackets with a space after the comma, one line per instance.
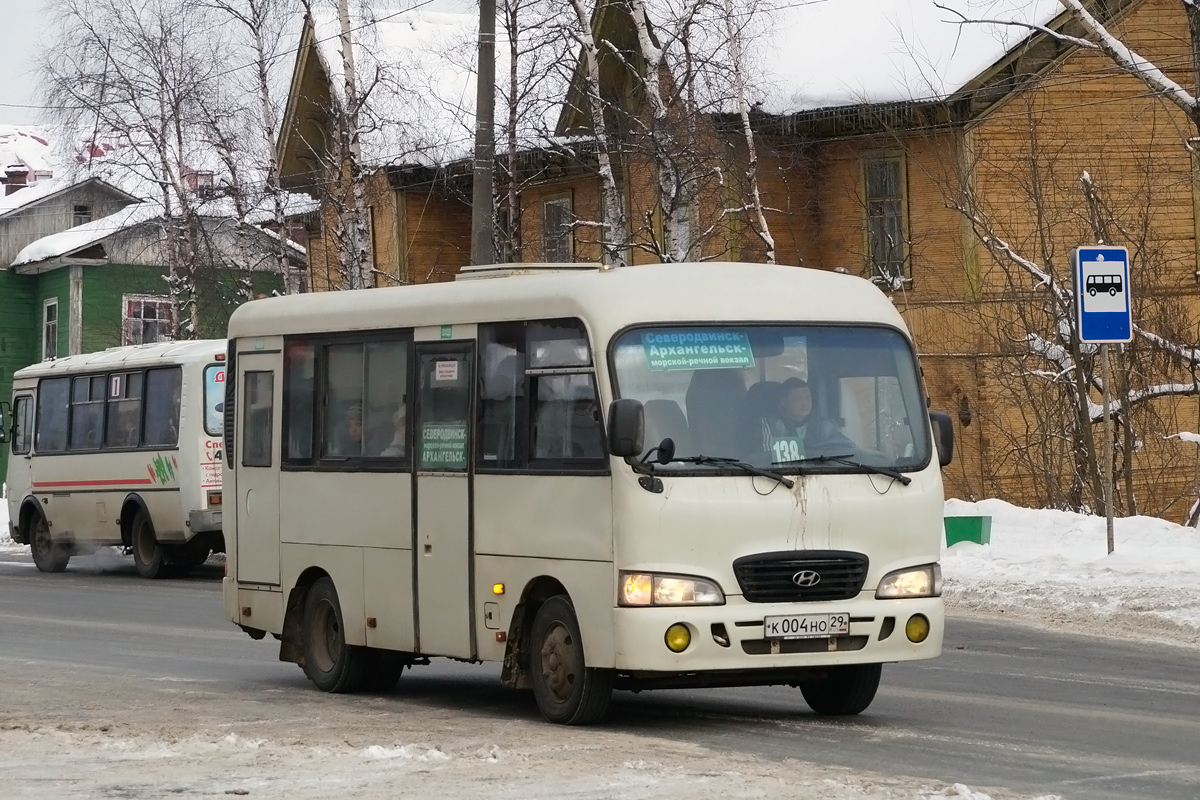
[1102, 295]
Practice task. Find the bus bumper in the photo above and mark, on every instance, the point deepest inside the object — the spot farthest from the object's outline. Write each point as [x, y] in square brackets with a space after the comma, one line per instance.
[204, 520]
[731, 638]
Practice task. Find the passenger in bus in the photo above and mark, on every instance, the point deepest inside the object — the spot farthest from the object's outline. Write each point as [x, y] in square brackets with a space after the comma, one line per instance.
[396, 448]
[349, 439]
[125, 433]
[796, 431]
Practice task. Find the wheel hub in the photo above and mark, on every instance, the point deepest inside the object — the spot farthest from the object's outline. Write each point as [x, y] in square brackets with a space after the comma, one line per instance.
[328, 637]
[558, 662]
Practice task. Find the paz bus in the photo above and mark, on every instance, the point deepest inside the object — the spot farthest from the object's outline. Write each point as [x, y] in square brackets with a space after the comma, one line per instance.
[590, 475]
[119, 448]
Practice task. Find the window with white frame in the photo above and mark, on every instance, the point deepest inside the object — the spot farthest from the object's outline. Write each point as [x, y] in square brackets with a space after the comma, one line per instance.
[146, 319]
[887, 224]
[50, 329]
[557, 233]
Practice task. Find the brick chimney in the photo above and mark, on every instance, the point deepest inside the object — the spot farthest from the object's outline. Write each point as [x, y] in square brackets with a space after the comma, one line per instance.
[16, 177]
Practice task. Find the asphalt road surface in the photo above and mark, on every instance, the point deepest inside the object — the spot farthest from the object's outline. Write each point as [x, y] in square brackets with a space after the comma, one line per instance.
[1030, 711]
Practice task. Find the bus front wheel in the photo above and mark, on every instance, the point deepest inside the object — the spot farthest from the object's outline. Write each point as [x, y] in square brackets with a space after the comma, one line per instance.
[149, 556]
[48, 555]
[844, 690]
[330, 663]
[567, 691]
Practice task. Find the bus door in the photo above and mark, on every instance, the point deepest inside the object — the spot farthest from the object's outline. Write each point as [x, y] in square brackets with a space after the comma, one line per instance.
[20, 475]
[258, 402]
[442, 549]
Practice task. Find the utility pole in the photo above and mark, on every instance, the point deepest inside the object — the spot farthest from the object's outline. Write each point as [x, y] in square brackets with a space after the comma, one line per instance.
[482, 239]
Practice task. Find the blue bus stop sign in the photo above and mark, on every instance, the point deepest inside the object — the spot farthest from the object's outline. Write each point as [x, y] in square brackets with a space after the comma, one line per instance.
[1102, 295]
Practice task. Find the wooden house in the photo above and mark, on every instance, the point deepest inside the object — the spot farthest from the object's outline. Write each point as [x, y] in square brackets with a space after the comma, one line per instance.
[901, 166]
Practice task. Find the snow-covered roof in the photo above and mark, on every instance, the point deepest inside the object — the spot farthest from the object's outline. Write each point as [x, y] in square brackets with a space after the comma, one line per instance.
[32, 193]
[824, 53]
[81, 236]
[26, 146]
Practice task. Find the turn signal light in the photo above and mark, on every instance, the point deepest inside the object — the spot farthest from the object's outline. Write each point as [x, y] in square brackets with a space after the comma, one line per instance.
[214, 498]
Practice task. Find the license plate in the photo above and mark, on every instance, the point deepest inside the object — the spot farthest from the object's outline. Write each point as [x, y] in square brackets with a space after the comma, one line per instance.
[807, 626]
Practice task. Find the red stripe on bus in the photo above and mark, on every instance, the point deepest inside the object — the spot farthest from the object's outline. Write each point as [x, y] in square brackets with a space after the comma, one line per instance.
[134, 481]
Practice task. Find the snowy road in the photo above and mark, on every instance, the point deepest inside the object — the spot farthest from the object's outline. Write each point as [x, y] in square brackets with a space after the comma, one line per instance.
[115, 686]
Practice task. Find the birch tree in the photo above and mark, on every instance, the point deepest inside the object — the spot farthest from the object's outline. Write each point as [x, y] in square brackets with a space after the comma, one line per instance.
[137, 72]
[614, 229]
[261, 24]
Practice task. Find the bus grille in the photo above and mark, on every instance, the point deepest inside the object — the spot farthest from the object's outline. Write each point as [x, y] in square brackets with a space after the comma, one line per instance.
[772, 577]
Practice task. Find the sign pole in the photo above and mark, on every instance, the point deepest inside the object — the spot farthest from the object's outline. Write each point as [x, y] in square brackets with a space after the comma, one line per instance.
[1108, 449]
[1103, 316]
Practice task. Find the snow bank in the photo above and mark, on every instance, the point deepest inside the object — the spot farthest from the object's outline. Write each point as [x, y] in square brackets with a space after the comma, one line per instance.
[1052, 566]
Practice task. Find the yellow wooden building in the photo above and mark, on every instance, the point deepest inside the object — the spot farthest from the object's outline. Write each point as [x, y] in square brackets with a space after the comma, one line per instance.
[905, 190]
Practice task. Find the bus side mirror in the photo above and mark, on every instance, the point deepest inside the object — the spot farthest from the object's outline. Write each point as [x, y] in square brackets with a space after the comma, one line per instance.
[4, 415]
[943, 436]
[626, 428]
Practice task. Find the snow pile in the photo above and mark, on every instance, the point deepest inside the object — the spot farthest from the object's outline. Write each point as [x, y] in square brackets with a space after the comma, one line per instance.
[1054, 566]
[7, 545]
[409, 752]
[960, 792]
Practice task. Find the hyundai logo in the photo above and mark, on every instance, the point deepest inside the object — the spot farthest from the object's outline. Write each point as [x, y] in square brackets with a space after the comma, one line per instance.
[806, 578]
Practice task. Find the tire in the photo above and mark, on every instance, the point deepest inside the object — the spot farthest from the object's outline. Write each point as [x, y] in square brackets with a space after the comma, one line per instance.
[330, 663]
[1112, 292]
[567, 691]
[383, 671]
[1092, 292]
[48, 555]
[844, 690]
[149, 556]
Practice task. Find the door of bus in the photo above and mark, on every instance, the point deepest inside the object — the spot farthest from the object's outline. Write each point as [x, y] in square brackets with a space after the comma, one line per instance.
[20, 462]
[442, 548]
[258, 403]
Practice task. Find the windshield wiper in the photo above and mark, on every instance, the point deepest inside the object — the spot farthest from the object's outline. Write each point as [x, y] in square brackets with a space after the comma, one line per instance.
[850, 462]
[749, 469]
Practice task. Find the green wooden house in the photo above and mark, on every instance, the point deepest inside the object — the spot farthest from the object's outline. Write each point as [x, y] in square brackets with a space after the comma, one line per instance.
[83, 268]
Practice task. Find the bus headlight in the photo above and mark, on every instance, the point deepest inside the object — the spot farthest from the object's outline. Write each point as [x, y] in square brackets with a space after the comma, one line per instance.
[651, 589]
[923, 581]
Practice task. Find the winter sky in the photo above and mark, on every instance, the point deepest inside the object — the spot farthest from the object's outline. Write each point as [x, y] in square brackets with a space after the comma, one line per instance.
[25, 30]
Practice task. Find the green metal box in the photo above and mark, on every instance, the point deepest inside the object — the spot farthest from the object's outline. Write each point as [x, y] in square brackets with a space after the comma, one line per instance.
[968, 529]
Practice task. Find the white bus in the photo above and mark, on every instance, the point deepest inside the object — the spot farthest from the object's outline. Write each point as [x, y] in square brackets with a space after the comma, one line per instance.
[602, 478]
[119, 448]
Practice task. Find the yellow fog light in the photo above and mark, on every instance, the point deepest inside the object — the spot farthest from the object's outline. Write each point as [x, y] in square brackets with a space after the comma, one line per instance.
[917, 628]
[678, 637]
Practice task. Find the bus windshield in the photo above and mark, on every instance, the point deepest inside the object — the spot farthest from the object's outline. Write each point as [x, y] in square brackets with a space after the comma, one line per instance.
[778, 396]
[214, 399]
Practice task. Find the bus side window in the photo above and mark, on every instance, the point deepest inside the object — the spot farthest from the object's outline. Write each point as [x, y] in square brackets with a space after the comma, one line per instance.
[53, 410]
[502, 396]
[23, 419]
[299, 386]
[162, 407]
[124, 410]
[87, 412]
[566, 418]
[258, 423]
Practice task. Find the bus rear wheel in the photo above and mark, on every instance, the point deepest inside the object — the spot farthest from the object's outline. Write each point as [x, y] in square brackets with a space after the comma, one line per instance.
[330, 663]
[844, 690]
[149, 556]
[567, 691]
[48, 555]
